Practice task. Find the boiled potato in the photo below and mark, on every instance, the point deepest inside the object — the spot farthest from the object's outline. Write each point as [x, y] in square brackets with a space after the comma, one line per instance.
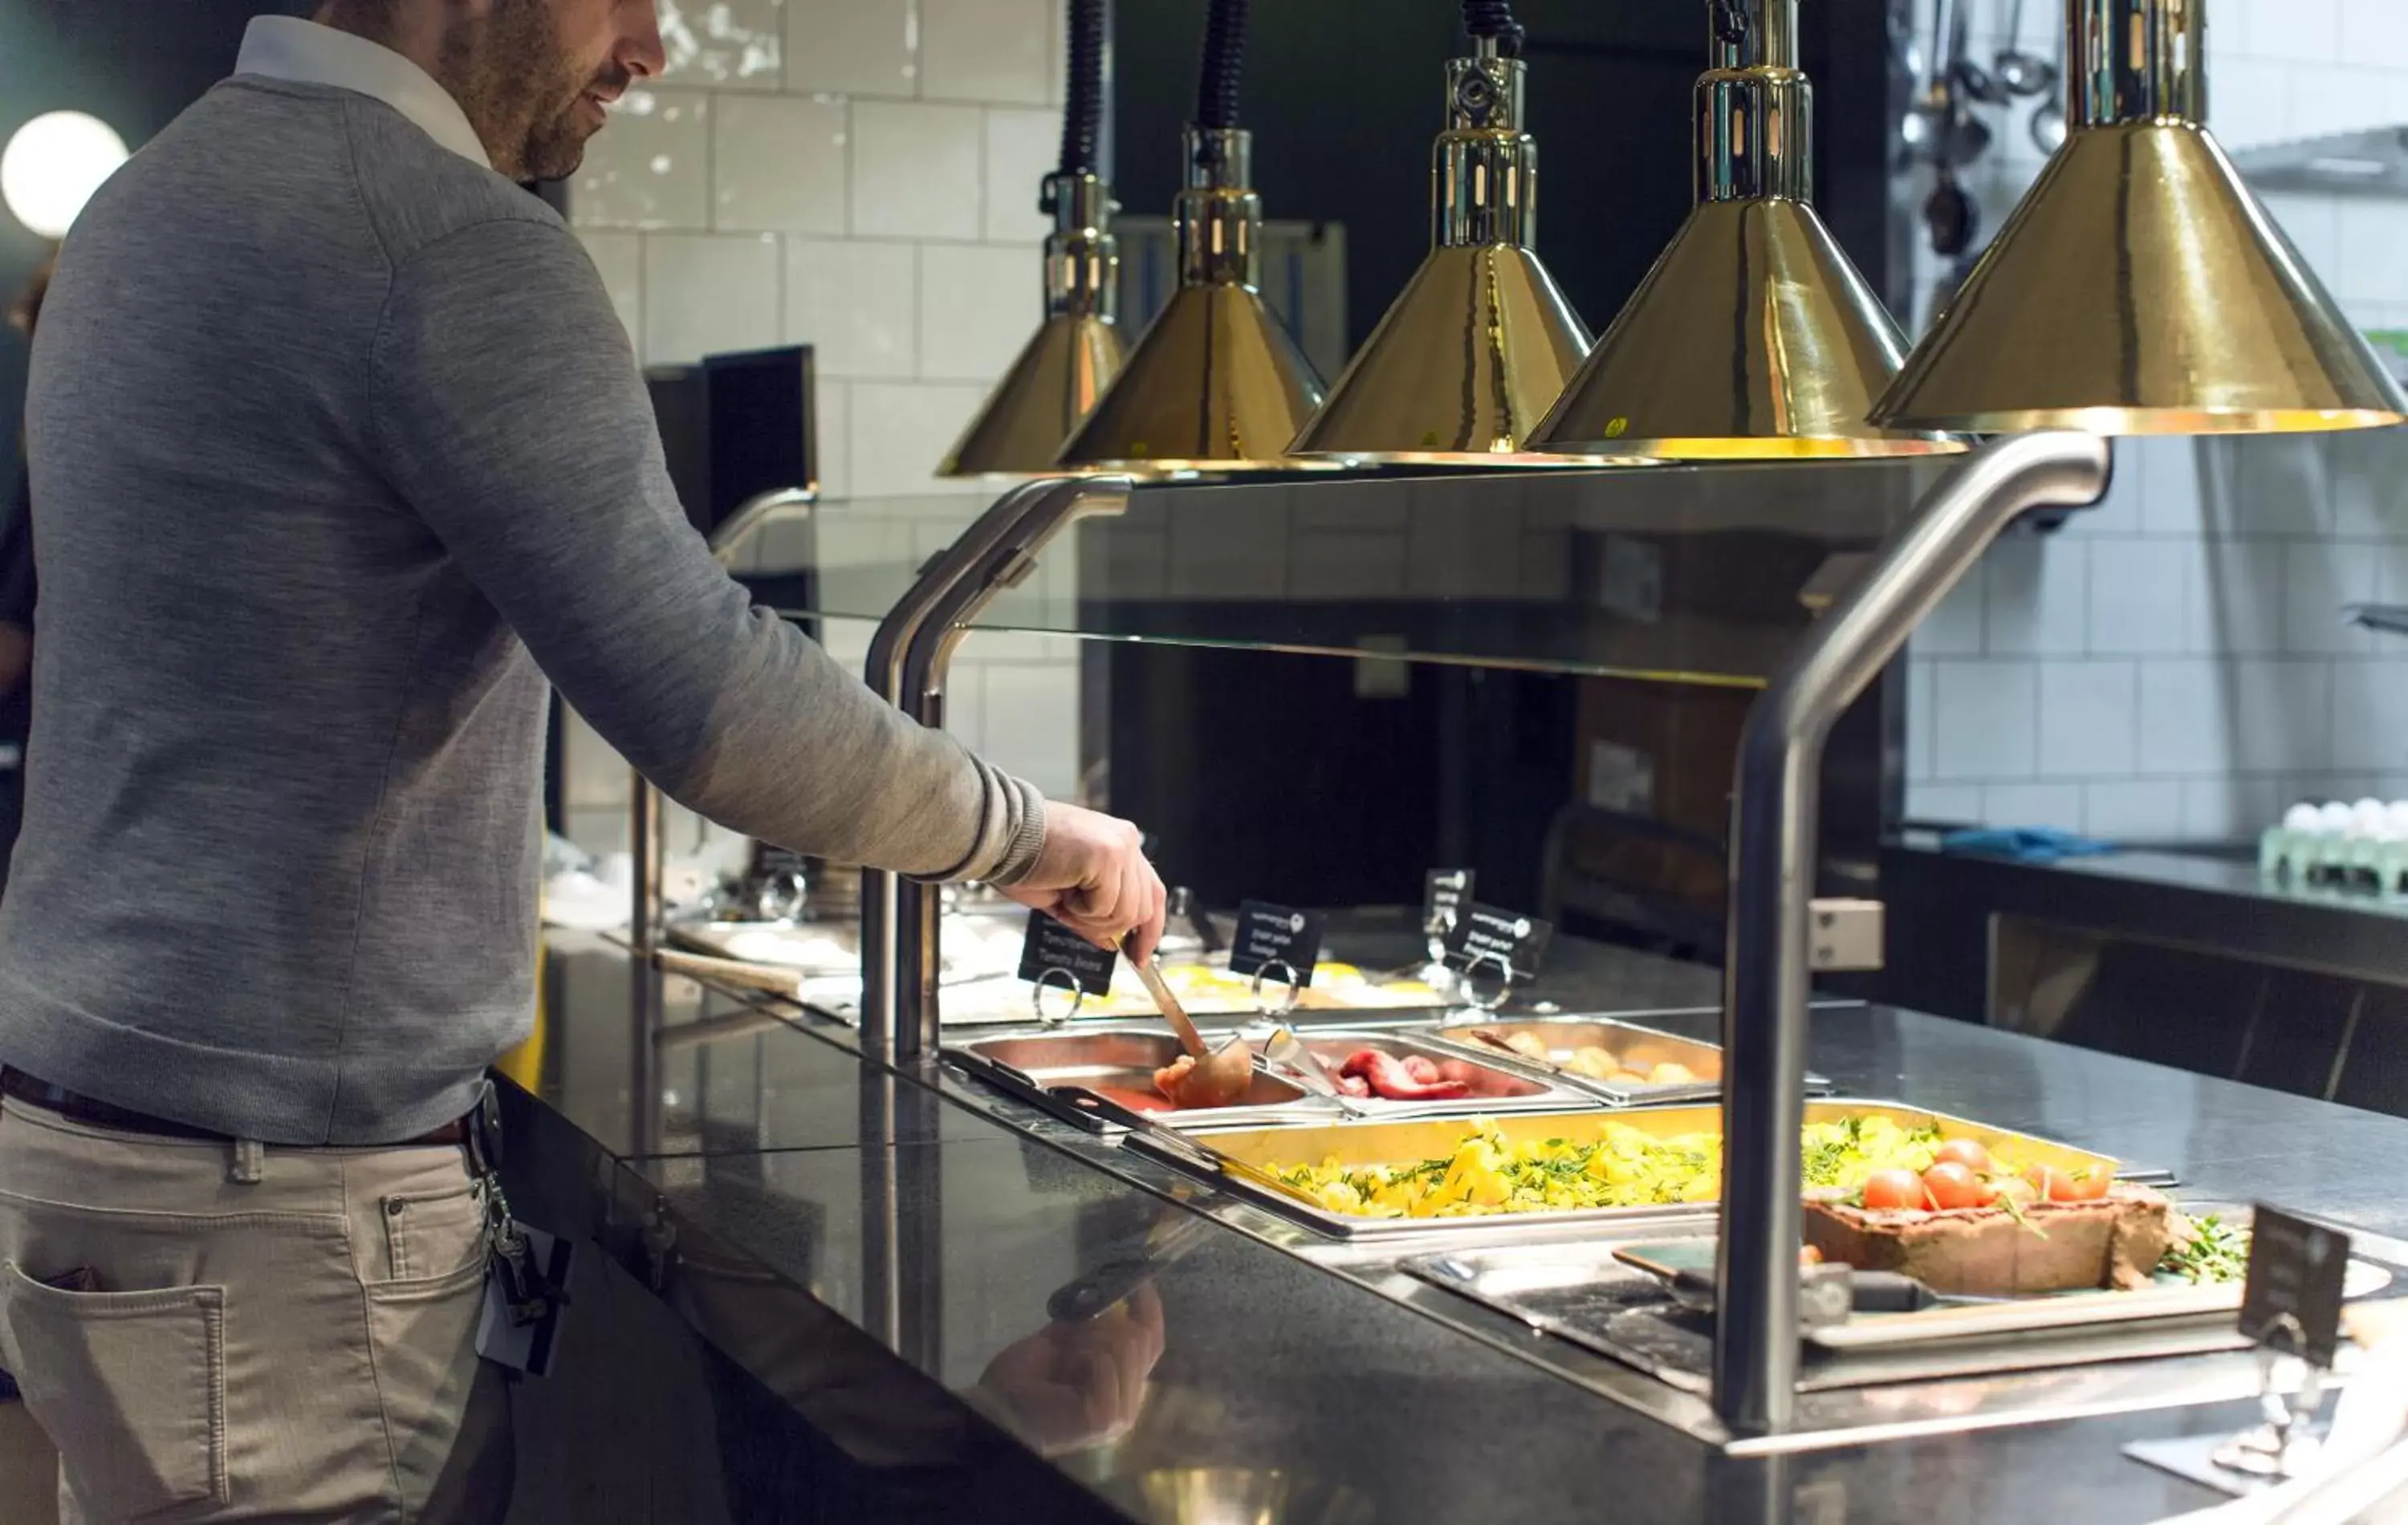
[1596, 1063]
[1670, 1074]
[1527, 1044]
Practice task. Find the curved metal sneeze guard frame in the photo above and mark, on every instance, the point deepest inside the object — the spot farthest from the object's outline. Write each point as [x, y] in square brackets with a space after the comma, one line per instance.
[645, 852]
[908, 658]
[1772, 858]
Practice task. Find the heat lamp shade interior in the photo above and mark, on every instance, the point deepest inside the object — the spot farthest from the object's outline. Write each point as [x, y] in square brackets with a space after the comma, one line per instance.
[2141, 289]
[1752, 337]
[1061, 372]
[1467, 360]
[1216, 383]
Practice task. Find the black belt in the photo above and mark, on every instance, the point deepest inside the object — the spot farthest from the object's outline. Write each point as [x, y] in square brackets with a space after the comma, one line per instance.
[20, 1087]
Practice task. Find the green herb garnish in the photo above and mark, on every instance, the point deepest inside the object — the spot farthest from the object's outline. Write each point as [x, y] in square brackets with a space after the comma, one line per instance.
[2214, 1251]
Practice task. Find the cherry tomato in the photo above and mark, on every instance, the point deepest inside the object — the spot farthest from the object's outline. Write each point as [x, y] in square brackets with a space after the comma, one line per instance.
[1952, 1186]
[1890, 1190]
[2060, 1186]
[1965, 1152]
[1809, 1256]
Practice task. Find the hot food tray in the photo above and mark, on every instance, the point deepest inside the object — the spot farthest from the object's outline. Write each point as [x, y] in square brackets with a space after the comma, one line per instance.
[1118, 1063]
[1240, 1159]
[1582, 1293]
[1642, 1059]
[1497, 1085]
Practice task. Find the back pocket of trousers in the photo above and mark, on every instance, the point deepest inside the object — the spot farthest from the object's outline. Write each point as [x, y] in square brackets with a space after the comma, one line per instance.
[130, 1386]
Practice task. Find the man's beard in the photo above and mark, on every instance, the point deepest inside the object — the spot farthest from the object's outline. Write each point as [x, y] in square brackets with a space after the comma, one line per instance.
[521, 90]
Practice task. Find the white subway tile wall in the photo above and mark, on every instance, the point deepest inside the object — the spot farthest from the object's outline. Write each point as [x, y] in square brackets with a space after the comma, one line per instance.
[1021, 147]
[2179, 652]
[916, 169]
[705, 292]
[857, 303]
[779, 164]
[649, 167]
[860, 176]
[978, 306]
[989, 50]
[853, 47]
[2089, 719]
[726, 44]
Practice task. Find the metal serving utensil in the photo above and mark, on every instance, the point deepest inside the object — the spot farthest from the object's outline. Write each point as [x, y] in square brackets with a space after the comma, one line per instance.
[1219, 1077]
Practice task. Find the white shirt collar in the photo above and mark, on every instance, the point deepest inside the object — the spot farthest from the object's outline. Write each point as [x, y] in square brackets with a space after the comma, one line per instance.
[288, 48]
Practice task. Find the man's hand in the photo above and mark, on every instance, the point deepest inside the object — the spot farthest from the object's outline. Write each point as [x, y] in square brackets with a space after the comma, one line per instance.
[1072, 1386]
[1093, 877]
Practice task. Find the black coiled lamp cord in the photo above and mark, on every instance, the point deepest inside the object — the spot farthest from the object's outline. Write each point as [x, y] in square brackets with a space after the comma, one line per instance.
[1494, 18]
[1224, 60]
[1082, 112]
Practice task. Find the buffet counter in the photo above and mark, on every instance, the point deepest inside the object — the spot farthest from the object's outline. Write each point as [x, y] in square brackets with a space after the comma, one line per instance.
[1057, 1329]
[2188, 959]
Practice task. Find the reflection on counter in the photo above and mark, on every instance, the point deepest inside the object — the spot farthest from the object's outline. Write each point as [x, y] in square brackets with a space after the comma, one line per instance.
[913, 1278]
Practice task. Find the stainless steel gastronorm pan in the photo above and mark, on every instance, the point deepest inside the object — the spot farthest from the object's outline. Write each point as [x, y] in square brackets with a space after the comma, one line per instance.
[1240, 1160]
[1119, 1063]
[1498, 1083]
[1639, 1048]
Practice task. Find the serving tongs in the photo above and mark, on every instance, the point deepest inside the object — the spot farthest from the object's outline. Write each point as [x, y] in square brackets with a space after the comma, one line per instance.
[1286, 1050]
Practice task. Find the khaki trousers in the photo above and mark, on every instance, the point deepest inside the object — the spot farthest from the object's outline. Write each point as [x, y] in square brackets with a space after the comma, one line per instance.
[213, 1331]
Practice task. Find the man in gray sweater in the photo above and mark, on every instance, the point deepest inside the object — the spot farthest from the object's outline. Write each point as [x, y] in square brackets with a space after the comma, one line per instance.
[339, 453]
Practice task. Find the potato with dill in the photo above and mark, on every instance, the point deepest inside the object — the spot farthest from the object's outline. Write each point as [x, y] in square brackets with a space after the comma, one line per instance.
[1621, 1166]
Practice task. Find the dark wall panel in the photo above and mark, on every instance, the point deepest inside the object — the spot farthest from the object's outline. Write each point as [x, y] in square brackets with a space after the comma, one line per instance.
[1344, 97]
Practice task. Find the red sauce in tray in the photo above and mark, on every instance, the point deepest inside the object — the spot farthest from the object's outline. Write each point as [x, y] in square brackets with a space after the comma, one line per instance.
[1148, 1099]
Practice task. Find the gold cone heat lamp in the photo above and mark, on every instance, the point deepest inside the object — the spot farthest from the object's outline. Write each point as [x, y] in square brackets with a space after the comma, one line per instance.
[2139, 288]
[1481, 340]
[1077, 350]
[1753, 336]
[1216, 385]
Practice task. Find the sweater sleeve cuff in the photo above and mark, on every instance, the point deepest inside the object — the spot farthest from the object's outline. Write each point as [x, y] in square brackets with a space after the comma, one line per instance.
[1010, 835]
[1025, 841]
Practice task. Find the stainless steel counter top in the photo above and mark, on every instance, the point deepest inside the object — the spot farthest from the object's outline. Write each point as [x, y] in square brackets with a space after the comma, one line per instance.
[771, 1151]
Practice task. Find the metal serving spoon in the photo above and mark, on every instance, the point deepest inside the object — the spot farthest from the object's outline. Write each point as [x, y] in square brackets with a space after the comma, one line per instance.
[1218, 1077]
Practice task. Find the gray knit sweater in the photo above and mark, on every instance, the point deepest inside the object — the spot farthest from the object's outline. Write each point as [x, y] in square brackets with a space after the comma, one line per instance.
[338, 453]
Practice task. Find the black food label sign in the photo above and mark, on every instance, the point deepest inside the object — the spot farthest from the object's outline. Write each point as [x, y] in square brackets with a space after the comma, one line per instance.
[1051, 946]
[1270, 936]
[1444, 894]
[1486, 936]
[2292, 1299]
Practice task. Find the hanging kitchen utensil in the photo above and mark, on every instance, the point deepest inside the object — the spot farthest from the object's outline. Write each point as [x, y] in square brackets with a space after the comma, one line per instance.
[1950, 214]
[1964, 137]
[2048, 118]
[1972, 81]
[1919, 131]
[2021, 72]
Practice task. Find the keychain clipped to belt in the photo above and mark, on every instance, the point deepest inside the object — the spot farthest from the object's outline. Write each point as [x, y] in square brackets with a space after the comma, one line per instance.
[526, 1279]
